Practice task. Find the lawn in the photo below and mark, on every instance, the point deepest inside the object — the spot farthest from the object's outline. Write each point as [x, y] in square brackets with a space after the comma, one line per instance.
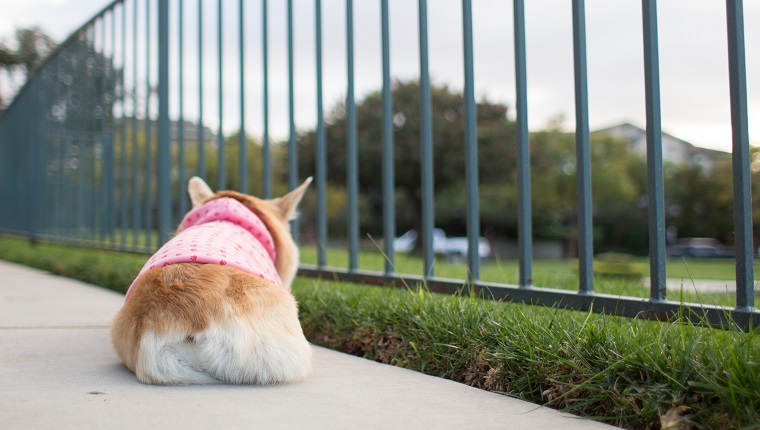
[560, 274]
[506, 270]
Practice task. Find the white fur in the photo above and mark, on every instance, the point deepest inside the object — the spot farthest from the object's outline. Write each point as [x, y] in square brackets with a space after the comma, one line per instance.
[169, 360]
[237, 352]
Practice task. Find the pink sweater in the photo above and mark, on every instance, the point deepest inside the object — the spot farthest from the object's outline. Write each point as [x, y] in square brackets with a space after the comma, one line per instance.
[222, 231]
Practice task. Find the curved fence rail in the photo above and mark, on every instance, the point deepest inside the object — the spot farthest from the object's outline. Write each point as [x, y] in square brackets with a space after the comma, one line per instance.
[97, 147]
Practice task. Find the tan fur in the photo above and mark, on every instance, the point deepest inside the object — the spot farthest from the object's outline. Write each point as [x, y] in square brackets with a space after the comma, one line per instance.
[195, 323]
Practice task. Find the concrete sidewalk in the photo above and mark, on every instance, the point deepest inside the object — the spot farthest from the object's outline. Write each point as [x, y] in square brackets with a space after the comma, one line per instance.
[58, 370]
[697, 285]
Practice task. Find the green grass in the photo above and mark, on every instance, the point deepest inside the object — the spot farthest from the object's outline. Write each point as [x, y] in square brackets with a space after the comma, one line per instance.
[704, 268]
[110, 269]
[622, 371]
[559, 274]
[496, 270]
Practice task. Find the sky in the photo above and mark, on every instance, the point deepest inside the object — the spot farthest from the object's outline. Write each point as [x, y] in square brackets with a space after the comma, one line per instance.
[692, 49]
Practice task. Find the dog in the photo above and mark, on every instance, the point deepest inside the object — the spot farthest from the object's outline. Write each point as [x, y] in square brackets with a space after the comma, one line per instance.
[213, 305]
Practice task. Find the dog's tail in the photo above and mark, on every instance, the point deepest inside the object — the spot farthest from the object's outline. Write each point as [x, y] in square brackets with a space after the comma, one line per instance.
[169, 360]
[236, 353]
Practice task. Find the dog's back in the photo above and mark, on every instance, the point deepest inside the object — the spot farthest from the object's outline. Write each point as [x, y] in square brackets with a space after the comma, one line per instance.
[190, 323]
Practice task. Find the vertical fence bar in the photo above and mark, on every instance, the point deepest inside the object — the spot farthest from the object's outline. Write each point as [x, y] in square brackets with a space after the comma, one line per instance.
[136, 210]
[201, 128]
[243, 156]
[164, 167]
[292, 148]
[101, 144]
[182, 197]
[37, 162]
[266, 153]
[148, 132]
[321, 156]
[389, 204]
[80, 141]
[107, 169]
[221, 172]
[61, 191]
[655, 187]
[582, 153]
[745, 297]
[471, 147]
[92, 201]
[124, 186]
[352, 164]
[524, 216]
[112, 188]
[426, 147]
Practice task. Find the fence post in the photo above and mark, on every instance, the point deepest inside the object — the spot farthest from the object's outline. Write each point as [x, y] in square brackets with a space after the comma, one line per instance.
[292, 147]
[524, 217]
[221, 165]
[426, 147]
[583, 153]
[265, 149]
[471, 147]
[352, 163]
[321, 156]
[164, 197]
[389, 199]
[745, 298]
[654, 153]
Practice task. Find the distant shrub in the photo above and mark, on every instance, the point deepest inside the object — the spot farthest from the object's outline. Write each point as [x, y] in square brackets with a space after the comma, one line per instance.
[617, 265]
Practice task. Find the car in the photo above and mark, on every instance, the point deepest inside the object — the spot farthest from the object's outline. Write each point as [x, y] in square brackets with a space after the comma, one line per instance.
[450, 247]
[700, 247]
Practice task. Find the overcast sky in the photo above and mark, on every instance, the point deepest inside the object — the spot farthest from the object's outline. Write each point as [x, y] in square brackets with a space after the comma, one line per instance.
[693, 58]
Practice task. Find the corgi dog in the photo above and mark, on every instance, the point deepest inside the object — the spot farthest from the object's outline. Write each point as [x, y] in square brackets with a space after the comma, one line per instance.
[214, 303]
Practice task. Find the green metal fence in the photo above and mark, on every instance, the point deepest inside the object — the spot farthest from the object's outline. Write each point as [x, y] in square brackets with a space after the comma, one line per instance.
[92, 152]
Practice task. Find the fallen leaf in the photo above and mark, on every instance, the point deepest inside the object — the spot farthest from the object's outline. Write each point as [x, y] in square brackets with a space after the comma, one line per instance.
[675, 419]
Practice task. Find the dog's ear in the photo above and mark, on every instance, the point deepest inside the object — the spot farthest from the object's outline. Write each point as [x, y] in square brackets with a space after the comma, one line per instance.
[288, 203]
[199, 191]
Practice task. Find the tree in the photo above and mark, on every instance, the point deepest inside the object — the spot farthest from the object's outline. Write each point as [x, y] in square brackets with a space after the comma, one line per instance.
[496, 145]
[700, 201]
[32, 48]
[618, 217]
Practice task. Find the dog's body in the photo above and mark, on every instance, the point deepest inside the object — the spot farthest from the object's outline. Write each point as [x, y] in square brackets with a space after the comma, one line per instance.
[189, 322]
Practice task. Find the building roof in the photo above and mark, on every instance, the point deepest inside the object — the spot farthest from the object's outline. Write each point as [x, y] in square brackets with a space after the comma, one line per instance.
[674, 149]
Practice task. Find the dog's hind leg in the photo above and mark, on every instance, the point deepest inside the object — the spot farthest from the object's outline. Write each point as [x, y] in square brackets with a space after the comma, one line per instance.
[241, 351]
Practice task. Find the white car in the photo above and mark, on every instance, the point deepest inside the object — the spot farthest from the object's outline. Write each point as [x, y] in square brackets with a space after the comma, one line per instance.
[447, 246]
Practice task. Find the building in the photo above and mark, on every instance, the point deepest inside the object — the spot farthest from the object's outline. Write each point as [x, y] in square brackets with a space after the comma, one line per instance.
[189, 128]
[674, 150]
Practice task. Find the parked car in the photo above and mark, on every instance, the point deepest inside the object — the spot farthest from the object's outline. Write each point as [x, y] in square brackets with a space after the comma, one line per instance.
[701, 247]
[450, 247]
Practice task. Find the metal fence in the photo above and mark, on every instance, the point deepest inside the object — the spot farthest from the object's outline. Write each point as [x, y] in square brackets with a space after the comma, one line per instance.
[94, 148]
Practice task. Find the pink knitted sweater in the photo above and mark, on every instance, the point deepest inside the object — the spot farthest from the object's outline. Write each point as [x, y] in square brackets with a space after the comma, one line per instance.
[222, 231]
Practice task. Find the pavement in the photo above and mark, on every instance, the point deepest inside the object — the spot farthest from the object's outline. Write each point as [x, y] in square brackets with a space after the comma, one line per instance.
[674, 285]
[58, 370]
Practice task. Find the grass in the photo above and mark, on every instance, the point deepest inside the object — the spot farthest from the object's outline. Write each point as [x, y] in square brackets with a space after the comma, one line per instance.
[622, 371]
[110, 269]
[626, 372]
[495, 270]
[560, 274]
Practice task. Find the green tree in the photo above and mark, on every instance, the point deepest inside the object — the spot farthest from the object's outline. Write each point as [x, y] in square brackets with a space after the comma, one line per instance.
[700, 200]
[617, 209]
[32, 46]
[496, 139]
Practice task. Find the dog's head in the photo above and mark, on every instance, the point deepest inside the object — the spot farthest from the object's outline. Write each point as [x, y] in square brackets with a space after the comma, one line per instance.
[275, 213]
